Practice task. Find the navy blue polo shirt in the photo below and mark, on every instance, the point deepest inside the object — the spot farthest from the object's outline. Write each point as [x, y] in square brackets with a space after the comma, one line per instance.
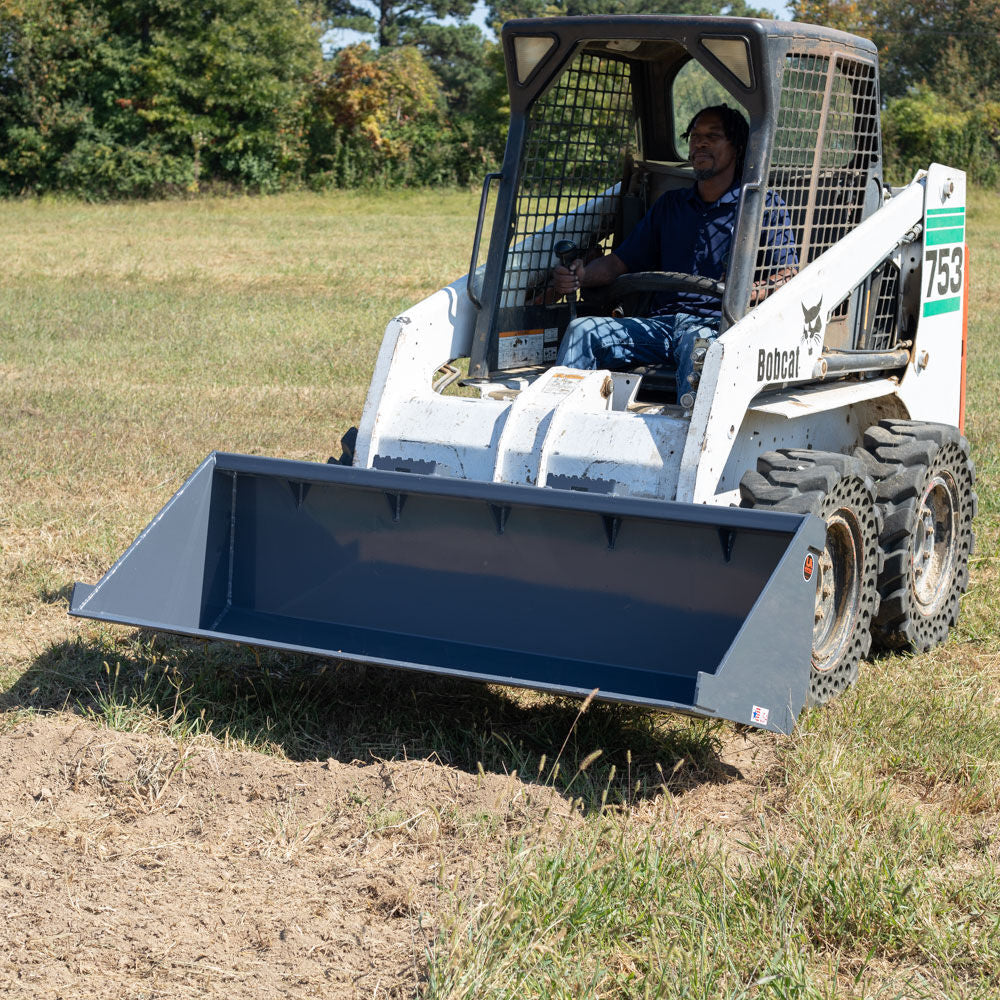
[683, 233]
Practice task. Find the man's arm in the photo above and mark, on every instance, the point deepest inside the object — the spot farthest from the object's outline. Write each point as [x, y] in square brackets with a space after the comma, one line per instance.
[779, 243]
[600, 271]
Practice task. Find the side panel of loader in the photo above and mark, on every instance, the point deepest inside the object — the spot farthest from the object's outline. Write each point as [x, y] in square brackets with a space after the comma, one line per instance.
[698, 609]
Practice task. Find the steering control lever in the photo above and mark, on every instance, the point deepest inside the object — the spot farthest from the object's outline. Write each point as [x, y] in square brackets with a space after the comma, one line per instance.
[567, 251]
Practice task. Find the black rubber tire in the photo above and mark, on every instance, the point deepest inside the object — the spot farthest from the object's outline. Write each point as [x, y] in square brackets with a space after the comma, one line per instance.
[838, 489]
[924, 481]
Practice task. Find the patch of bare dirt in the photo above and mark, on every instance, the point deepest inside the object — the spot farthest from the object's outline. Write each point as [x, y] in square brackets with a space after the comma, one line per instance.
[131, 867]
[727, 803]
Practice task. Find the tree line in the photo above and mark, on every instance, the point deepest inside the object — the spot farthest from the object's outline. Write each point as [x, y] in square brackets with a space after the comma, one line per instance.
[143, 98]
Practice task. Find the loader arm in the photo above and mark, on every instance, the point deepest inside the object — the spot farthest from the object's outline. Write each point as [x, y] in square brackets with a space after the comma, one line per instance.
[770, 350]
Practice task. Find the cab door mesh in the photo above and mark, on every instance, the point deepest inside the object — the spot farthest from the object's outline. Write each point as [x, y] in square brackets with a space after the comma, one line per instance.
[826, 146]
[580, 134]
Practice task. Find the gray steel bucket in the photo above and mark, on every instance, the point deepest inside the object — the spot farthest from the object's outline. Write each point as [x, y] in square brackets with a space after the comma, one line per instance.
[677, 606]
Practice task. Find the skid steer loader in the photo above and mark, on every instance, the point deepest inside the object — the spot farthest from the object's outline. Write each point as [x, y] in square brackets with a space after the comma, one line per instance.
[728, 548]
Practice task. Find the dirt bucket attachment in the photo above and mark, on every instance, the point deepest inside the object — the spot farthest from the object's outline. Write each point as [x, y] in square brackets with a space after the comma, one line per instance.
[697, 609]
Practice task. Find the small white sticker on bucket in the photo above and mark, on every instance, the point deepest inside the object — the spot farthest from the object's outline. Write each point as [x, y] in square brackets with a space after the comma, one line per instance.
[759, 715]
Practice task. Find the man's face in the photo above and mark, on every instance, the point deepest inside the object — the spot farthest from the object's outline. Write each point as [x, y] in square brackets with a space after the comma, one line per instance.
[711, 152]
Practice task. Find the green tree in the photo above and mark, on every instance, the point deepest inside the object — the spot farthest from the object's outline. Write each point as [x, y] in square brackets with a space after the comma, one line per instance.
[395, 22]
[844, 15]
[455, 49]
[951, 46]
[380, 118]
[924, 127]
[138, 97]
[229, 81]
[459, 56]
[65, 96]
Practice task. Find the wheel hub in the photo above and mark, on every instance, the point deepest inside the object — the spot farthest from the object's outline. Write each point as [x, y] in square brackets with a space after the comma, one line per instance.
[935, 540]
[838, 588]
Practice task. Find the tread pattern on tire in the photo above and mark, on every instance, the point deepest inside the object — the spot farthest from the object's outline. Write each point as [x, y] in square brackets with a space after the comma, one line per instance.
[802, 481]
[902, 457]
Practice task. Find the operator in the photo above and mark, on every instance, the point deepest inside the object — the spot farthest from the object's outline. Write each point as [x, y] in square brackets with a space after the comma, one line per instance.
[689, 230]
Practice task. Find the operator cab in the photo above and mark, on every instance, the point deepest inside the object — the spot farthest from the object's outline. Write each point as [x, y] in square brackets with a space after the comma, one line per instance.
[598, 108]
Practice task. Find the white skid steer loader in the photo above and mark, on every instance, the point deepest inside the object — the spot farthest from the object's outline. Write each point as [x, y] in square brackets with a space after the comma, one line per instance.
[728, 548]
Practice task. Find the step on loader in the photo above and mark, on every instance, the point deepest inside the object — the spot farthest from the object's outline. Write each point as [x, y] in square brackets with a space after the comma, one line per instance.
[728, 548]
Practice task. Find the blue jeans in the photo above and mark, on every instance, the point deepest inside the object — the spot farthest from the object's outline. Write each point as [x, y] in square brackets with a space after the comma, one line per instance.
[603, 342]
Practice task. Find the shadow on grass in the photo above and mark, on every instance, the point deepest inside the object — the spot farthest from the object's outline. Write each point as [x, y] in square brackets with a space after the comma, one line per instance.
[308, 708]
[59, 595]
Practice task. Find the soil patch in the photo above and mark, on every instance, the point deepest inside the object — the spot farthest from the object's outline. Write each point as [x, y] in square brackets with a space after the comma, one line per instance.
[133, 867]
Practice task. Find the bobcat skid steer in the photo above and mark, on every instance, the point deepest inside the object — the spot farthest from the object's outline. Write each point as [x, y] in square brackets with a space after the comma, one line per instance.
[728, 548]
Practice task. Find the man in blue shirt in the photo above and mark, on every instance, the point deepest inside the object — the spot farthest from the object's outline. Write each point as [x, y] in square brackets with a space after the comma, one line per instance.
[688, 230]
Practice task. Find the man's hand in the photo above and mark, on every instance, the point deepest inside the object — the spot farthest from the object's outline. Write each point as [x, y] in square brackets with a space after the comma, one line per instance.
[600, 271]
[566, 280]
[761, 289]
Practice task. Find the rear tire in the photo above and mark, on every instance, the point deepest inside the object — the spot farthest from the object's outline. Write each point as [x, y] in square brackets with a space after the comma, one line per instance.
[924, 485]
[837, 489]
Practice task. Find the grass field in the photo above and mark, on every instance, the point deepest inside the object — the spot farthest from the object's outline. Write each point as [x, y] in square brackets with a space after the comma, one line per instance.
[857, 858]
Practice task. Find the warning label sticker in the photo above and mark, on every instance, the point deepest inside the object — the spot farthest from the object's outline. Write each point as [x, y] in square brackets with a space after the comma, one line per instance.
[526, 347]
[563, 383]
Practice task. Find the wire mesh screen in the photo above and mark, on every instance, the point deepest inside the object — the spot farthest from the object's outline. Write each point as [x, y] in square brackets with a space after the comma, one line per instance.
[580, 134]
[881, 327]
[826, 141]
[876, 319]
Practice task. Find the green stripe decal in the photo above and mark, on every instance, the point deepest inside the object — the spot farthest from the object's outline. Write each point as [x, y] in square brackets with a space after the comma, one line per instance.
[943, 306]
[935, 237]
[944, 221]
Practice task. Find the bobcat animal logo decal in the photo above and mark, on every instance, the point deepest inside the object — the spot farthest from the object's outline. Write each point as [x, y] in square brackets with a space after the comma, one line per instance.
[812, 327]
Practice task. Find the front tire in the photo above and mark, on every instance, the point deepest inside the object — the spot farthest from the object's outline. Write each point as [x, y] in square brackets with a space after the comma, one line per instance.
[837, 489]
[924, 481]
